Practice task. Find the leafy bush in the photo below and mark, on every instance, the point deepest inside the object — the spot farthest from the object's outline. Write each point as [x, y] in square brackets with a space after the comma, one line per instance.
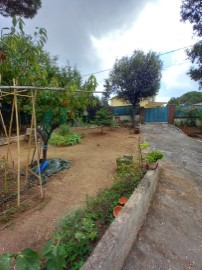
[64, 140]
[153, 156]
[64, 130]
[104, 117]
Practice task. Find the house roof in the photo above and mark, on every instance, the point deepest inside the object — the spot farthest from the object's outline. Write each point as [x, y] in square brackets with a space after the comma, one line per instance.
[157, 103]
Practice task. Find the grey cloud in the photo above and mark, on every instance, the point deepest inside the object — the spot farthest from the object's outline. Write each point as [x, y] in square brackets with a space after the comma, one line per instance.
[70, 23]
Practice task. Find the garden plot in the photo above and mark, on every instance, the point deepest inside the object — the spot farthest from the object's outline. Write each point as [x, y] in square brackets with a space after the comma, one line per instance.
[93, 166]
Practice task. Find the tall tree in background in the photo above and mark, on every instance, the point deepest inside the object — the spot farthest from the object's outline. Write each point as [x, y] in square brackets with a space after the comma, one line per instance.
[191, 10]
[135, 78]
[188, 98]
[22, 8]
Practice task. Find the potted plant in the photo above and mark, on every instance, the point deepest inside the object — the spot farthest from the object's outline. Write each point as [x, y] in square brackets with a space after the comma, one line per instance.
[152, 159]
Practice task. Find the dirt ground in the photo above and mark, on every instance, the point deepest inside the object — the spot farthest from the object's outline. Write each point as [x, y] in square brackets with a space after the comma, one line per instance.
[93, 166]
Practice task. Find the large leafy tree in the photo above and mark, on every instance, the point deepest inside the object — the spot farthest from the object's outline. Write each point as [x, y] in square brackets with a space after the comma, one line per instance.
[22, 57]
[22, 8]
[55, 108]
[188, 98]
[191, 10]
[135, 78]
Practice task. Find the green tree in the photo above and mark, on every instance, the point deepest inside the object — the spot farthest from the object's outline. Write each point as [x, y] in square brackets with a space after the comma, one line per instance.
[191, 10]
[104, 118]
[55, 108]
[23, 8]
[188, 98]
[135, 78]
[24, 59]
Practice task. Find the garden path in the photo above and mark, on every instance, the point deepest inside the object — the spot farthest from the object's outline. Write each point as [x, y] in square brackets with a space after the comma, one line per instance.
[171, 237]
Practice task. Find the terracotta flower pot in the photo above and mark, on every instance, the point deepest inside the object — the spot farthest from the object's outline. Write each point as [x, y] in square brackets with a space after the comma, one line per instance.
[123, 200]
[116, 210]
[152, 166]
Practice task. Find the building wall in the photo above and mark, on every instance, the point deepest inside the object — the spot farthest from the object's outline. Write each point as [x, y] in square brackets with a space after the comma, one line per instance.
[121, 102]
[118, 102]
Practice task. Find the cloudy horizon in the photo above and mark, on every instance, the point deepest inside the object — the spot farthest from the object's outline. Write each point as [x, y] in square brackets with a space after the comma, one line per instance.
[92, 34]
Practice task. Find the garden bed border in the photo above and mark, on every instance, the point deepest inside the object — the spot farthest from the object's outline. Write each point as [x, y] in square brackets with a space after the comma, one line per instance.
[112, 250]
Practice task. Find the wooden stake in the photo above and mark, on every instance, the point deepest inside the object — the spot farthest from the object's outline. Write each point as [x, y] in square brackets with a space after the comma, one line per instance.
[10, 129]
[18, 144]
[6, 161]
[29, 144]
[36, 142]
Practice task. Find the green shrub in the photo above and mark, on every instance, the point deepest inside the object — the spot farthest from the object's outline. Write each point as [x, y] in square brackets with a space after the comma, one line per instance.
[64, 130]
[65, 140]
[153, 156]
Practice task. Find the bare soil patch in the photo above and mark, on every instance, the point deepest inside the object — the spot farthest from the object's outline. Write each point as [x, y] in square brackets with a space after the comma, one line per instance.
[93, 166]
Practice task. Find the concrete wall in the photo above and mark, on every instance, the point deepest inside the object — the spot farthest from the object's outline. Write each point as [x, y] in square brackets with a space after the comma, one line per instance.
[3, 141]
[125, 118]
[116, 243]
[184, 121]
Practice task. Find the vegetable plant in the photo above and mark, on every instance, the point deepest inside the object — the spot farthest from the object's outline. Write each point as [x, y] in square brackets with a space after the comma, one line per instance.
[153, 156]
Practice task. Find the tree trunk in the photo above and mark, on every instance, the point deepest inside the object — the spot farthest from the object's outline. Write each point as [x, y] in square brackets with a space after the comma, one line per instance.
[45, 137]
[45, 149]
[133, 116]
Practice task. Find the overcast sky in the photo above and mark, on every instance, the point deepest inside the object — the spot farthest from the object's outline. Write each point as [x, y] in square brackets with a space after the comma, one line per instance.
[91, 34]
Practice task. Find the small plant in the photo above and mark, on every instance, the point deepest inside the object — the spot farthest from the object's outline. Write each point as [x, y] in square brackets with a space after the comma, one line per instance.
[126, 170]
[153, 156]
[69, 139]
[144, 145]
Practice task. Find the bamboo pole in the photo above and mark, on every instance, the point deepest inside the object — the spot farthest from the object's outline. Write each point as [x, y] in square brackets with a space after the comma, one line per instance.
[29, 147]
[6, 161]
[3, 124]
[48, 88]
[11, 94]
[10, 128]
[5, 131]
[18, 144]
[7, 94]
[36, 142]
[8, 144]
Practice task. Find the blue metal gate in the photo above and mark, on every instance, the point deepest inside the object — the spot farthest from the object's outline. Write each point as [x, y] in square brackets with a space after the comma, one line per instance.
[159, 114]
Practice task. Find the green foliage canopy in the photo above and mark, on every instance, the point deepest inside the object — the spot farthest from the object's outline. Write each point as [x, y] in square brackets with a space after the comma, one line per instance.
[23, 58]
[104, 117]
[188, 98]
[191, 10]
[23, 8]
[136, 77]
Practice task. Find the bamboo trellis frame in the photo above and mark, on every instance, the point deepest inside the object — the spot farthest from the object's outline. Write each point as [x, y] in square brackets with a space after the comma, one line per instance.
[48, 88]
[18, 91]
[14, 113]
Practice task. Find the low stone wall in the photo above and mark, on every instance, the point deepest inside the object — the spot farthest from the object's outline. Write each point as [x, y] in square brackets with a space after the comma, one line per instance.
[116, 243]
[3, 141]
